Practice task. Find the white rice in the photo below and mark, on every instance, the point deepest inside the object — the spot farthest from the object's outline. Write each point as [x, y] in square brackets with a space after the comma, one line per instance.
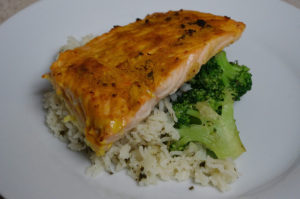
[143, 152]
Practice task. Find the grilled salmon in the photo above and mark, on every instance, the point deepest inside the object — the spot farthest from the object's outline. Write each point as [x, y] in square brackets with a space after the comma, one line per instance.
[114, 81]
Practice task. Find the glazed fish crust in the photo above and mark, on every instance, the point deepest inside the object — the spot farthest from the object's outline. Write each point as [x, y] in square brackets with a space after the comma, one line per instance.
[113, 82]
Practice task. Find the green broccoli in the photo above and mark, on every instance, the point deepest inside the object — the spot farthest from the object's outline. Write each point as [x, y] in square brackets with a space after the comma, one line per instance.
[205, 113]
[219, 74]
[235, 77]
[186, 102]
[217, 133]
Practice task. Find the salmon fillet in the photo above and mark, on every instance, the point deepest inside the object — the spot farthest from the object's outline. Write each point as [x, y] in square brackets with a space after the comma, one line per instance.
[114, 81]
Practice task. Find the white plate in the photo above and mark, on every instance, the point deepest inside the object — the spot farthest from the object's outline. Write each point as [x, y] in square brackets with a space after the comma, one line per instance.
[34, 164]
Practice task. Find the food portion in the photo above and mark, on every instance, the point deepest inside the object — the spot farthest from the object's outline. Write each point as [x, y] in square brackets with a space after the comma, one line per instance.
[134, 99]
[114, 81]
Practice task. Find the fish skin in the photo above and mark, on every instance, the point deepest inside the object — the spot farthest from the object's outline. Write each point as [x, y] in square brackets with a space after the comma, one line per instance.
[114, 81]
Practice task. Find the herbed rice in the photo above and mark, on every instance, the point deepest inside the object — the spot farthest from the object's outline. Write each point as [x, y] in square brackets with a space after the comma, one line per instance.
[143, 152]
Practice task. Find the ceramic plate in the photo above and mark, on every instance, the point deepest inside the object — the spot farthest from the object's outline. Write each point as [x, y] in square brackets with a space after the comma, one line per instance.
[34, 164]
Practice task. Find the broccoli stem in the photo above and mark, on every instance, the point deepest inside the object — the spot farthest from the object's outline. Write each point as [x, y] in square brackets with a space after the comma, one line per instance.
[217, 133]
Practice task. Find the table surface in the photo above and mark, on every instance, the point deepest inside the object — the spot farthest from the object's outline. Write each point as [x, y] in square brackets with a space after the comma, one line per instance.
[10, 7]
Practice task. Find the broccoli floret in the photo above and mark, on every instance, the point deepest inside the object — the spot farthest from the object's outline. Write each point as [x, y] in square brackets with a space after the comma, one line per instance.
[210, 79]
[193, 96]
[235, 77]
[218, 84]
[215, 77]
[217, 133]
[186, 102]
[180, 110]
[219, 74]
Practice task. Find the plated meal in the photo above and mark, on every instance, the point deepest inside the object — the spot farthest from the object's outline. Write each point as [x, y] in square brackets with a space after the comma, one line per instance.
[154, 97]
